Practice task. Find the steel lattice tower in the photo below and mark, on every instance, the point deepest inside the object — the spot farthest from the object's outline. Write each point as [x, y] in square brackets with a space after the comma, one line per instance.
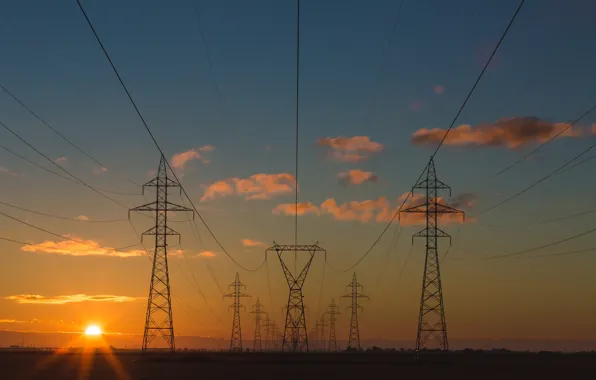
[354, 339]
[332, 312]
[295, 337]
[257, 311]
[158, 321]
[267, 326]
[236, 295]
[431, 321]
[321, 332]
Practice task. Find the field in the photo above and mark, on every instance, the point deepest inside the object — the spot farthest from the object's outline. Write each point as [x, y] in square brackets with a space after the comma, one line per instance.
[222, 366]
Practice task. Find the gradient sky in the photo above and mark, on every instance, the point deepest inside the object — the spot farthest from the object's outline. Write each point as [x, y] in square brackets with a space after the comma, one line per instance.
[351, 85]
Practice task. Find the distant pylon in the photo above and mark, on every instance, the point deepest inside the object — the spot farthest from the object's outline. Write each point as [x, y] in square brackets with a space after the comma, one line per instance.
[236, 295]
[354, 339]
[321, 329]
[257, 311]
[158, 320]
[267, 326]
[295, 337]
[332, 312]
[431, 320]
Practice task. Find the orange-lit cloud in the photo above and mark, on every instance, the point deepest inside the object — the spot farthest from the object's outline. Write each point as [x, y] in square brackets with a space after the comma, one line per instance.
[82, 218]
[290, 208]
[101, 170]
[512, 133]
[379, 210]
[438, 89]
[179, 160]
[416, 105]
[11, 321]
[356, 177]
[252, 243]
[71, 298]
[79, 248]
[4, 170]
[350, 149]
[60, 160]
[207, 254]
[257, 186]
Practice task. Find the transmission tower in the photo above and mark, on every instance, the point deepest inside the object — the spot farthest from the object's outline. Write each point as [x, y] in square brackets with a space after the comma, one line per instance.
[332, 312]
[158, 321]
[295, 337]
[321, 329]
[354, 339]
[431, 321]
[236, 295]
[267, 325]
[257, 311]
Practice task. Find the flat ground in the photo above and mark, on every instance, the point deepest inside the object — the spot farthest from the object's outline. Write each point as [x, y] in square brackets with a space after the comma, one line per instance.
[223, 366]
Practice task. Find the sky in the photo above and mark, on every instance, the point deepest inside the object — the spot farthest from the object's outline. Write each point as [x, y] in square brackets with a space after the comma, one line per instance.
[374, 104]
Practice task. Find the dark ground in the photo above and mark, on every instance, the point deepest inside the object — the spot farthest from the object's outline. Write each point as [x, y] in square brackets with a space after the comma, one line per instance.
[364, 366]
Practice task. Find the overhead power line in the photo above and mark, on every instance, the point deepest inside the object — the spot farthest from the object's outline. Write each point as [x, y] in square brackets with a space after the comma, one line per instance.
[157, 144]
[61, 217]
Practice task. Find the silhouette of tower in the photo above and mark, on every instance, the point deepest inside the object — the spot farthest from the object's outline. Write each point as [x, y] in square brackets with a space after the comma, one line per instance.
[332, 312]
[158, 321]
[321, 336]
[295, 337]
[354, 339]
[267, 326]
[431, 320]
[236, 295]
[257, 311]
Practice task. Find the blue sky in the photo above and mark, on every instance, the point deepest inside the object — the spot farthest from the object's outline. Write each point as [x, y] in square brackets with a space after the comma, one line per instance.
[350, 85]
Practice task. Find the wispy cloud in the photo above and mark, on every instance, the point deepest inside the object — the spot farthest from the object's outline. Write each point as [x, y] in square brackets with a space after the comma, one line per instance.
[207, 254]
[79, 248]
[11, 321]
[252, 243]
[4, 170]
[356, 177]
[416, 105]
[83, 218]
[511, 133]
[257, 186]
[101, 170]
[438, 89]
[350, 149]
[290, 208]
[179, 160]
[60, 160]
[65, 299]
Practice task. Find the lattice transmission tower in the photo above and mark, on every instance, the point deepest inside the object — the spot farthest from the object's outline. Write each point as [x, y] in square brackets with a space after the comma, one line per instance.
[295, 336]
[431, 320]
[321, 333]
[158, 320]
[332, 312]
[355, 295]
[236, 295]
[258, 311]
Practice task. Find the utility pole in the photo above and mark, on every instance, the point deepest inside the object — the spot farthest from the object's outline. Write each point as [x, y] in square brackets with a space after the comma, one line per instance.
[354, 339]
[332, 312]
[295, 337]
[267, 332]
[236, 295]
[158, 320]
[431, 320]
[321, 328]
[257, 346]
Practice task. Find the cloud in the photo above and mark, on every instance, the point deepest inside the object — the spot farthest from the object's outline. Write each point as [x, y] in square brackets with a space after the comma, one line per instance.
[511, 133]
[80, 248]
[11, 321]
[290, 208]
[252, 243]
[416, 105]
[101, 170]
[207, 254]
[72, 298]
[356, 177]
[60, 160]
[4, 170]
[350, 149]
[257, 186]
[82, 218]
[438, 89]
[379, 210]
[179, 160]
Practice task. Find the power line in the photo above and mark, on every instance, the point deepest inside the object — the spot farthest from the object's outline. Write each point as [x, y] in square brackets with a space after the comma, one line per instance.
[157, 144]
[566, 253]
[297, 125]
[577, 120]
[553, 220]
[61, 217]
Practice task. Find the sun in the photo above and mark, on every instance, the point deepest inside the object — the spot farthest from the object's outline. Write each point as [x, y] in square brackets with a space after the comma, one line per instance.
[93, 330]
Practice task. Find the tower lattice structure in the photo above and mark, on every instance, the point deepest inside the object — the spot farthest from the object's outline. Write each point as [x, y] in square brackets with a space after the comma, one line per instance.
[295, 336]
[236, 295]
[158, 320]
[267, 326]
[321, 333]
[258, 311]
[431, 320]
[332, 313]
[355, 295]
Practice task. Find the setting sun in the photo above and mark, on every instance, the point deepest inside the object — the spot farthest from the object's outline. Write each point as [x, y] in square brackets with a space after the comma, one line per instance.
[93, 330]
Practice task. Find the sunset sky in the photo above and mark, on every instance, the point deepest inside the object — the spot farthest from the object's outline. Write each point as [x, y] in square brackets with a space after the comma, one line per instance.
[371, 114]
